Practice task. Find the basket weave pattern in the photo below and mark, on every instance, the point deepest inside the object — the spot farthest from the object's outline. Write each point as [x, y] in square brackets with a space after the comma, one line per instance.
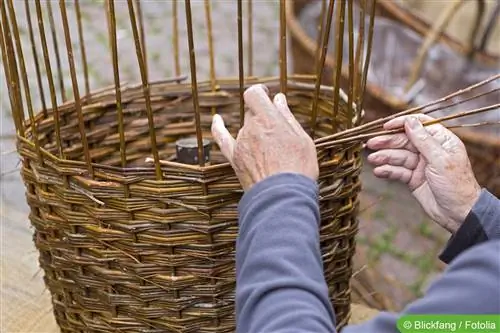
[124, 251]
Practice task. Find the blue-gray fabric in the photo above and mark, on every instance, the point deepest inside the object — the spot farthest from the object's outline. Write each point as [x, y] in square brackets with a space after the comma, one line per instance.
[280, 284]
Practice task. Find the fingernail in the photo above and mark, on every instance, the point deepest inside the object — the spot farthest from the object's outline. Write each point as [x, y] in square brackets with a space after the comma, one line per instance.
[264, 88]
[280, 99]
[414, 123]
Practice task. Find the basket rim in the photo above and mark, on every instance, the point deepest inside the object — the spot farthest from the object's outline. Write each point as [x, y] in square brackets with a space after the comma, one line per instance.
[306, 42]
[167, 87]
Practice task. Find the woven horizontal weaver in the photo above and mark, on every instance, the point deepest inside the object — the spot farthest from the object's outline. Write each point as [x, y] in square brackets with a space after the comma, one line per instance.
[411, 53]
[132, 238]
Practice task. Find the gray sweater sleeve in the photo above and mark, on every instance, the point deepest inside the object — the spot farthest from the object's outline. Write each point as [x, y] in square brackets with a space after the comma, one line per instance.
[279, 272]
[280, 284]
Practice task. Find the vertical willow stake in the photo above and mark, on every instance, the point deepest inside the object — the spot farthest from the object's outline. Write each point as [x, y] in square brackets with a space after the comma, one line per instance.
[211, 54]
[241, 73]
[35, 58]
[56, 51]
[339, 48]
[76, 91]
[49, 76]
[83, 54]
[175, 38]
[145, 90]
[250, 37]
[350, 23]
[283, 63]
[194, 82]
[325, 33]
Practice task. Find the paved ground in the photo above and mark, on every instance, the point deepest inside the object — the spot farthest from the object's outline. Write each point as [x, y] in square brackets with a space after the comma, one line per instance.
[394, 234]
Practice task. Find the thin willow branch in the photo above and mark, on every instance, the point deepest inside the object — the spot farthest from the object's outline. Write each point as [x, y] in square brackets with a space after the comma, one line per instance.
[362, 137]
[415, 109]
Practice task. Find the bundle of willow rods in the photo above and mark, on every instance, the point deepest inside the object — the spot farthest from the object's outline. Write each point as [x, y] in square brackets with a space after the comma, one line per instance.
[372, 129]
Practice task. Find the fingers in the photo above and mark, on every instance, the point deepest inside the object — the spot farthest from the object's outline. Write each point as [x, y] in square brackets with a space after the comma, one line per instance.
[394, 141]
[258, 101]
[223, 138]
[400, 121]
[394, 173]
[395, 157]
[281, 104]
[427, 145]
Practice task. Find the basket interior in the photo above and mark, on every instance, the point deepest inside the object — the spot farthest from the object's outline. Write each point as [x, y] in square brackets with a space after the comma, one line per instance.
[173, 117]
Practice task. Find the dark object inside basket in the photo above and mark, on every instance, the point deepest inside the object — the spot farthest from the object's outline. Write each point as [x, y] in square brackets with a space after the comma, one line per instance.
[187, 150]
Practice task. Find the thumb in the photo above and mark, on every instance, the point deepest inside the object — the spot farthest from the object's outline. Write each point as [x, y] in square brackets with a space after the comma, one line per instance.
[223, 138]
[423, 141]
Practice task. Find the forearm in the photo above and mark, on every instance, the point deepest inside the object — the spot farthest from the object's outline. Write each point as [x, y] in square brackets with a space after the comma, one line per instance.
[469, 286]
[482, 224]
[280, 283]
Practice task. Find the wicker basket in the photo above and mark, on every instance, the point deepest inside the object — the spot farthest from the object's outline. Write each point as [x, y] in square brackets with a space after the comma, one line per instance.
[483, 149]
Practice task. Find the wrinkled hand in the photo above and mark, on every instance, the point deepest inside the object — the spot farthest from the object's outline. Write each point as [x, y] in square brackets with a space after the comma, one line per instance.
[270, 142]
[433, 162]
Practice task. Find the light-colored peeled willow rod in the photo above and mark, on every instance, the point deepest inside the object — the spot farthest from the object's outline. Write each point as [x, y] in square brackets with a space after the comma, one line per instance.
[361, 137]
[283, 53]
[50, 80]
[241, 73]
[339, 51]
[35, 57]
[76, 90]
[415, 109]
[175, 38]
[250, 36]
[55, 44]
[194, 83]
[325, 34]
[24, 76]
[145, 89]
[83, 55]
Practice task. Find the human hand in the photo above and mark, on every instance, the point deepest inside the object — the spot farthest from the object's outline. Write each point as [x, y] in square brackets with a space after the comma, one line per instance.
[270, 142]
[433, 161]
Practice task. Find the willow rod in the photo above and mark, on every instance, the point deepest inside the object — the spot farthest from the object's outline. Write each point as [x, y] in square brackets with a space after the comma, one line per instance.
[320, 33]
[250, 36]
[358, 69]
[282, 61]
[145, 89]
[407, 111]
[50, 79]
[371, 28]
[350, 92]
[35, 57]
[83, 54]
[361, 137]
[142, 35]
[12, 75]
[339, 50]
[320, 65]
[111, 18]
[52, 26]
[194, 83]
[241, 73]
[24, 75]
[76, 91]
[211, 55]
[175, 38]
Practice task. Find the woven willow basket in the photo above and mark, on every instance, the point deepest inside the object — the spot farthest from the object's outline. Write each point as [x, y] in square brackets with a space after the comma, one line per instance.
[483, 148]
[131, 238]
